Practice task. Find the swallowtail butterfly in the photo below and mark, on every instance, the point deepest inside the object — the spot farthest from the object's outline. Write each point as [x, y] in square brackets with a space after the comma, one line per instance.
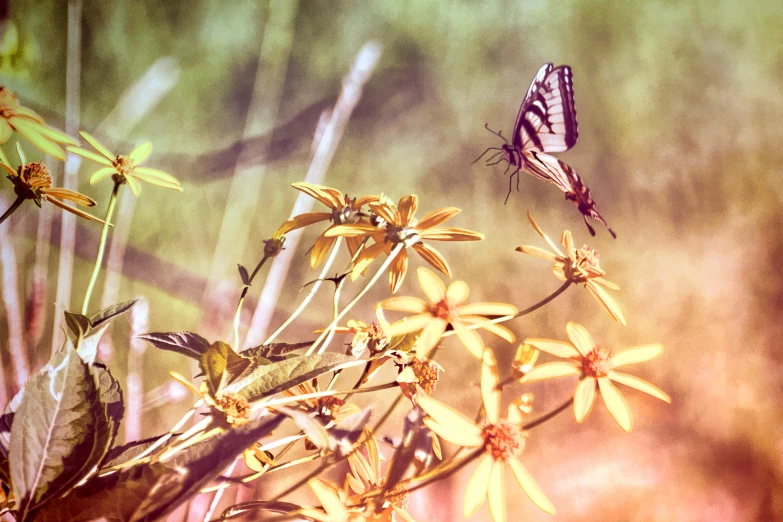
[547, 123]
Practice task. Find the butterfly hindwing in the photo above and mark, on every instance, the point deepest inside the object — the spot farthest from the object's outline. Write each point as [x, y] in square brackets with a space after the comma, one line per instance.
[547, 118]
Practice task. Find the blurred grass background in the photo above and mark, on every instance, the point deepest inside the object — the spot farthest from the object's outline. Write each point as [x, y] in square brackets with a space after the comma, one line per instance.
[680, 111]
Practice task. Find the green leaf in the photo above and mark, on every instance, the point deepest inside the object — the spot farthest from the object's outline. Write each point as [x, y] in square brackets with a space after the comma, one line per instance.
[110, 395]
[402, 343]
[213, 364]
[282, 375]
[244, 275]
[274, 351]
[185, 343]
[88, 346]
[129, 451]
[109, 313]
[78, 325]
[59, 432]
[6, 420]
[197, 465]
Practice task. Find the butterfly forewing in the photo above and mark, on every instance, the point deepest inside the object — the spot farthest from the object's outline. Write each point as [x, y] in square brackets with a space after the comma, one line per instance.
[547, 119]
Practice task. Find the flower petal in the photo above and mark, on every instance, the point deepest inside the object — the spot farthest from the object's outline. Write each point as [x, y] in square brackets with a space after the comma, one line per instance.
[73, 210]
[541, 233]
[89, 155]
[538, 252]
[470, 339]
[432, 285]
[155, 173]
[640, 384]
[489, 387]
[550, 371]
[429, 337]
[365, 258]
[31, 133]
[5, 131]
[54, 134]
[316, 192]
[457, 293]
[134, 185]
[636, 354]
[101, 174]
[568, 242]
[329, 498]
[365, 200]
[302, 220]
[335, 196]
[529, 486]
[476, 490]
[140, 153]
[433, 257]
[556, 348]
[496, 492]
[353, 230]
[28, 113]
[436, 217]
[320, 249]
[497, 329]
[385, 212]
[397, 270]
[153, 180]
[606, 302]
[107, 154]
[607, 284]
[616, 404]
[410, 324]
[450, 234]
[458, 429]
[580, 338]
[488, 309]
[584, 398]
[69, 195]
[407, 208]
[409, 304]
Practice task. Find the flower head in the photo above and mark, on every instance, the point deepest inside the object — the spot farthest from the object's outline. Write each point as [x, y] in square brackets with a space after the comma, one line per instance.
[446, 307]
[125, 168]
[14, 117]
[595, 366]
[343, 210]
[502, 441]
[33, 181]
[392, 227]
[577, 265]
[226, 406]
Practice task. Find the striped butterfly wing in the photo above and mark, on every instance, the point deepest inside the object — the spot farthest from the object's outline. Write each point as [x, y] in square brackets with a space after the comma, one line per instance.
[551, 169]
[547, 118]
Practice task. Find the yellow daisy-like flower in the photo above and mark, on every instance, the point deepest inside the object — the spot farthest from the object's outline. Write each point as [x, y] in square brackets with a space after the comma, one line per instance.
[595, 367]
[398, 226]
[330, 408]
[501, 438]
[125, 167]
[344, 210]
[446, 307]
[33, 181]
[14, 117]
[577, 265]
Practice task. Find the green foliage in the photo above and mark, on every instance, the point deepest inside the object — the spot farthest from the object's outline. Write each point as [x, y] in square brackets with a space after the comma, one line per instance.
[185, 343]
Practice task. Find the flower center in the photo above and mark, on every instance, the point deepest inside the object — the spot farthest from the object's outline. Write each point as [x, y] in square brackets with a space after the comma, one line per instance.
[428, 373]
[398, 496]
[409, 236]
[123, 164]
[503, 440]
[442, 310]
[8, 103]
[586, 257]
[347, 214]
[597, 362]
[234, 406]
[35, 176]
[328, 406]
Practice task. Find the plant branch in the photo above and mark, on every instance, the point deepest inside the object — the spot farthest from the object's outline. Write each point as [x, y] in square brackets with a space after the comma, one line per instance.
[18, 201]
[101, 246]
[242, 300]
[547, 416]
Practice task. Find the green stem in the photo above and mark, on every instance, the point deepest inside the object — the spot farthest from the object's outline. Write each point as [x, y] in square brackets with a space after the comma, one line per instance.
[101, 247]
[547, 416]
[242, 300]
[18, 201]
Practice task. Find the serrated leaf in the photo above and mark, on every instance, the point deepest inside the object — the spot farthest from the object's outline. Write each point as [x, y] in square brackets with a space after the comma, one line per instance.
[274, 351]
[282, 375]
[194, 467]
[129, 451]
[88, 346]
[244, 275]
[78, 325]
[110, 394]
[213, 364]
[185, 343]
[111, 312]
[59, 433]
[6, 420]
[402, 343]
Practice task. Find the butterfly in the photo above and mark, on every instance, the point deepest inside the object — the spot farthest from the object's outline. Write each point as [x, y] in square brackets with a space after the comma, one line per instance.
[547, 123]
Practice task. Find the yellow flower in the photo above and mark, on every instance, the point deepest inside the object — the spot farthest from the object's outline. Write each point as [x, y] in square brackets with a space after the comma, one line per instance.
[446, 307]
[227, 406]
[595, 367]
[579, 266]
[330, 408]
[344, 210]
[333, 501]
[501, 438]
[125, 167]
[14, 117]
[398, 226]
[33, 181]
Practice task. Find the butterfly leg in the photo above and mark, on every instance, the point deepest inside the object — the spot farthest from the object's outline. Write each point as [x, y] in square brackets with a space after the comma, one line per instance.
[482, 154]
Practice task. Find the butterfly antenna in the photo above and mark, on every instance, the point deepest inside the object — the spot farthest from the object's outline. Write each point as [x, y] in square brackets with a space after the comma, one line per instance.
[499, 134]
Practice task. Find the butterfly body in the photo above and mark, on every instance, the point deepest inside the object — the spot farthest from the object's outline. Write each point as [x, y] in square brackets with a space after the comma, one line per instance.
[547, 123]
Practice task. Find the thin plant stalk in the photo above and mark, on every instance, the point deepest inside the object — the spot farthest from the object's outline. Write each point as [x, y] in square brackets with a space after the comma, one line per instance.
[219, 493]
[20, 363]
[311, 294]
[238, 313]
[17, 202]
[356, 299]
[68, 220]
[101, 246]
[351, 93]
